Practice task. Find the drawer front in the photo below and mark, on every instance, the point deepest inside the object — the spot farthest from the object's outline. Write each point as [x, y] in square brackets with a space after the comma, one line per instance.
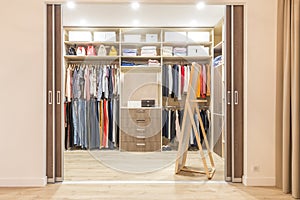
[147, 132]
[140, 113]
[141, 146]
[140, 138]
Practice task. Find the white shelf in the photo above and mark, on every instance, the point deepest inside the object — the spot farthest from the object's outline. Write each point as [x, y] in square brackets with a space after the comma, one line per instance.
[90, 43]
[96, 58]
[141, 43]
[143, 68]
[219, 46]
[200, 58]
[141, 57]
[186, 43]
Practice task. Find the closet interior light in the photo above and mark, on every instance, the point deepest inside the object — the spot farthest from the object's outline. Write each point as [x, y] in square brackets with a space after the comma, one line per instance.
[135, 5]
[200, 5]
[71, 5]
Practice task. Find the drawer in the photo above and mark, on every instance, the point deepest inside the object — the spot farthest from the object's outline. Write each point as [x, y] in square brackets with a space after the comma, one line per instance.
[132, 138]
[147, 132]
[141, 146]
[140, 122]
[133, 146]
[140, 138]
[154, 138]
[140, 113]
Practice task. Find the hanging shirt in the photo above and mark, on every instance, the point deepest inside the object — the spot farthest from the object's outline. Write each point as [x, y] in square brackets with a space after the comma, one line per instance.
[170, 76]
[93, 81]
[203, 82]
[179, 82]
[165, 80]
[208, 80]
[182, 78]
[100, 81]
[199, 87]
[105, 81]
[186, 79]
[69, 84]
[110, 82]
[175, 80]
[87, 84]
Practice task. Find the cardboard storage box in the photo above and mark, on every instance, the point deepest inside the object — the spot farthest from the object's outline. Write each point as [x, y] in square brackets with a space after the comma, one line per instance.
[151, 38]
[195, 50]
[80, 36]
[105, 36]
[175, 36]
[198, 36]
[132, 38]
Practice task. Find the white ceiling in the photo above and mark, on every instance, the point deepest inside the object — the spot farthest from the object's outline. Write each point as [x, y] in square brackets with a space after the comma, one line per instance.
[161, 15]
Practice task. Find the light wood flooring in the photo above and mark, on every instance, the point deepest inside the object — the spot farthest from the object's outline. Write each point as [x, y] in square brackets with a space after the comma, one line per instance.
[97, 175]
[116, 165]
[143, 191]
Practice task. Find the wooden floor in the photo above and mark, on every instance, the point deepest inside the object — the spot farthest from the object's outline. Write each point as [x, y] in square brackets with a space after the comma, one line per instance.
[97, 175]
[116, 165]
[143, 191]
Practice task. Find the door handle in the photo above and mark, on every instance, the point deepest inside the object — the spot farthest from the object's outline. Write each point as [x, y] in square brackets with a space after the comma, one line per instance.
[58, 97]
[236, 97]
[50, 97]
[228, 97]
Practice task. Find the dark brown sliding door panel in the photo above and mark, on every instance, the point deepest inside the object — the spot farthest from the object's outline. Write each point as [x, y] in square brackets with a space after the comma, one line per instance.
[58, 100]
[50, 93]
[54, 103]
[234, 78]
[238, 57]
[228, 173]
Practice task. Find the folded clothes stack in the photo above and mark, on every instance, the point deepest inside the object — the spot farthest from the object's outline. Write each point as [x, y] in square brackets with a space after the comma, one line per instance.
[148, 51]
[153, 62]
[218, 60]
[127, 63]
[179, 51]
[129, 52]
[167, 51]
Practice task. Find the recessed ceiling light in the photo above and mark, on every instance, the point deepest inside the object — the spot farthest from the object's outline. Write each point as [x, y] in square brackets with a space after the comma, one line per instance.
[200, 5]
[135, 5]
[71, 5]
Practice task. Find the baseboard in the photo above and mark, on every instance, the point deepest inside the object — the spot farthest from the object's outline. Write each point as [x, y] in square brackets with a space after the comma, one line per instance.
[259, 181]
[23, 182]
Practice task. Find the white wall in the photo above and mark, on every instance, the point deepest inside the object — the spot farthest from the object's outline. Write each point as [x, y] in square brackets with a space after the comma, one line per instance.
[22, 113]
[22, 86]
[146, 15]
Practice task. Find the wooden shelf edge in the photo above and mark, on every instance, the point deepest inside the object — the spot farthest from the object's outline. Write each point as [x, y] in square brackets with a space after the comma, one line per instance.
[219, 46]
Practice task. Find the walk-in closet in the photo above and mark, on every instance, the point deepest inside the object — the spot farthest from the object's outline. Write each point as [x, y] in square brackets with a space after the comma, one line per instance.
[126, 74]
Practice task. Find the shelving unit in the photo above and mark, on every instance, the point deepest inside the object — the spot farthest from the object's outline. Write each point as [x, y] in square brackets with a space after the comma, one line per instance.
[124, 40]
[142, 81]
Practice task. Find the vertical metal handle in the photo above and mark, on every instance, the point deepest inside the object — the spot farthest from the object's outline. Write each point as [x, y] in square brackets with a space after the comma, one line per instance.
[236, 97]
[228, 97]
[58, 97]
[50, 97]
